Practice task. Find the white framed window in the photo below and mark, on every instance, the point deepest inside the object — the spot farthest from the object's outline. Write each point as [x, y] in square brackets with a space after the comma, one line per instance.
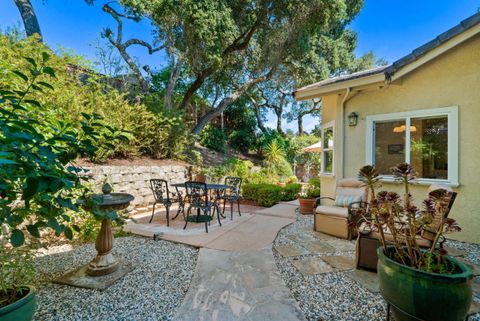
[427, 139]
[328, 133]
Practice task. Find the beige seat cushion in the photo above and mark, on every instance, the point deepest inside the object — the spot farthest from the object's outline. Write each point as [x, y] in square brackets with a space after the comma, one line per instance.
[332, 211]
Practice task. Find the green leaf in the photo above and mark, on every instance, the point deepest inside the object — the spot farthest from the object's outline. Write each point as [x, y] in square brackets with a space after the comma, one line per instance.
[45, 56]
[68, 233]
[49, 71]
[31, 61]
[17, 239]
[31, 187]
[20, 74]
[76, 228]
[45, 84]
[33, 102]
[33, 230]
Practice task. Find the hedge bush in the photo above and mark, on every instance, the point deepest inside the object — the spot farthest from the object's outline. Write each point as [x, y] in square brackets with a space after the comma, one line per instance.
[268, 194]
[291, 191]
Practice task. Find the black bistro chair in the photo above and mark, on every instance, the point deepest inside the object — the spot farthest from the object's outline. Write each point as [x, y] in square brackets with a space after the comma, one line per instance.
[163, 196]
[232, 194]
[197, 197]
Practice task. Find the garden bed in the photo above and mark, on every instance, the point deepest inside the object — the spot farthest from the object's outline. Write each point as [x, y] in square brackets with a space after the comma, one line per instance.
[333, 294]
[154, 289]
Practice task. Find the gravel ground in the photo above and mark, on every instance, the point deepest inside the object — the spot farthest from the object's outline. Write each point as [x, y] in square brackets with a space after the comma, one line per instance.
[153, 291]
[334, 296]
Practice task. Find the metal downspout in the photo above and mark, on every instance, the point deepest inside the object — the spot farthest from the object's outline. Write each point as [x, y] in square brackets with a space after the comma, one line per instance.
[342, 131]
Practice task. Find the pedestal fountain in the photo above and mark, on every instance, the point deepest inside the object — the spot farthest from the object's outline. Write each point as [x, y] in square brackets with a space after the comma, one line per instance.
[104, 269]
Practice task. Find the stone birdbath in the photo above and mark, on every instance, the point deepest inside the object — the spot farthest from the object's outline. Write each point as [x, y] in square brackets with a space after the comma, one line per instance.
[104, 269]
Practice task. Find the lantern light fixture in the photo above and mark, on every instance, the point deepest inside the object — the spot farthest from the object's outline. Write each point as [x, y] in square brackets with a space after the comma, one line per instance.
[353, 119]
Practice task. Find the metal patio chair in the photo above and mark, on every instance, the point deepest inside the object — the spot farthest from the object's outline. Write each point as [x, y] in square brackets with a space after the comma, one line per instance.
[232, 194]
[198, 198]
[163, 196]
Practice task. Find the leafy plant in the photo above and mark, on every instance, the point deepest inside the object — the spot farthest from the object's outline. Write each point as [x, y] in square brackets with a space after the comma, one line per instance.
[312, 190]
[16, 270]
[291, 191]
[388, 211]
[214, 137]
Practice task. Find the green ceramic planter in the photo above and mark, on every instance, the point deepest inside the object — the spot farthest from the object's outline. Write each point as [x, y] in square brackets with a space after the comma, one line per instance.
[21, 310]
[427, 296]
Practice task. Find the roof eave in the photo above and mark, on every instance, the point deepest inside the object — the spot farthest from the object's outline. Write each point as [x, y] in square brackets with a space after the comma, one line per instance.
[338, 87]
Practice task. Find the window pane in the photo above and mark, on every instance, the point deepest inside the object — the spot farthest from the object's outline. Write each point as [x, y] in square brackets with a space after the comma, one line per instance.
[429, 147]
[328, 138]
[328, 159]
[389, 145]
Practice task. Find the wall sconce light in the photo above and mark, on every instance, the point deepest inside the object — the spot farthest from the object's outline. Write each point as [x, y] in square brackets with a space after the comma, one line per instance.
[352, 119]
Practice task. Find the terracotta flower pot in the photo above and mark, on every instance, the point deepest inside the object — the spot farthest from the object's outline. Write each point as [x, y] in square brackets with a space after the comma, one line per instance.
[200, 178]
[306, 205]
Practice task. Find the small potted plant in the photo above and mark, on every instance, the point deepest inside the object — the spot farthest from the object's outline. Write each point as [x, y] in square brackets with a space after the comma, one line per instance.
[17, 298]
[308, 195]
[424, 283]
[200, 175]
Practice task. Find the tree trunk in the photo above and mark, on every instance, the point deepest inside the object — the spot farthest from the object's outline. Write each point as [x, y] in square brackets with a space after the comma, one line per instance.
[29, 18]
[172, 81]
[225, 102]
[279, 112]
[203, 121]
[300, 125]
[194, 87]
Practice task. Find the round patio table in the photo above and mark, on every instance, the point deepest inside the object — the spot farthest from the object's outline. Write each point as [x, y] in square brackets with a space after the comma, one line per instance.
[215, 188]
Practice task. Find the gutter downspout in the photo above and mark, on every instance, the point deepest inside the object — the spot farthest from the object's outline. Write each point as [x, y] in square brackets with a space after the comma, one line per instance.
[342, 131]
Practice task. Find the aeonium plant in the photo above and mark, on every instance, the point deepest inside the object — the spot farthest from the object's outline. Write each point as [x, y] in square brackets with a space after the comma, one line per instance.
[388, 212]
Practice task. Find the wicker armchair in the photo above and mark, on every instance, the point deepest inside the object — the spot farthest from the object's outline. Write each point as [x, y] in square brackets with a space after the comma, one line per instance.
[337, 219]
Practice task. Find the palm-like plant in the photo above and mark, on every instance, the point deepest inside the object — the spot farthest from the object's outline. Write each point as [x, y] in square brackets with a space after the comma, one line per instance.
[274, 152]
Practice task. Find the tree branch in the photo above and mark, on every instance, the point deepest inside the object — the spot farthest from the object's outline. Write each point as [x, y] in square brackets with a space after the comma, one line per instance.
[225, 102]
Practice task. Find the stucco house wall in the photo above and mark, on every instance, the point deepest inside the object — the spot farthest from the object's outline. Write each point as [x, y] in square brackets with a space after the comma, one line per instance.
[452, 79]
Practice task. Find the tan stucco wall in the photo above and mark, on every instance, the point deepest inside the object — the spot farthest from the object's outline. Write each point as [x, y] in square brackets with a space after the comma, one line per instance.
[453, 79]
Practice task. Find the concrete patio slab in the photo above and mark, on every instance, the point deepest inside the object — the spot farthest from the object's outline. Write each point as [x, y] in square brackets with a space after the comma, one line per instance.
[255, 233]
[231, 286]
[365, 279]
[294, 203]
[341, 245]
[311, 266]
[281, 210]
[340, 262]
[290, 250]
[318, 247]
[454, 251]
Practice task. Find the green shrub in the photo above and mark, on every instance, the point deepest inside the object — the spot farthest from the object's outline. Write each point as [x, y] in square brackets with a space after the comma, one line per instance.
[238, 168]
[241, 140]
[249, 191]
[77, 91]
[291, 191]
[315, 182]
[213, 137]
[268, 195]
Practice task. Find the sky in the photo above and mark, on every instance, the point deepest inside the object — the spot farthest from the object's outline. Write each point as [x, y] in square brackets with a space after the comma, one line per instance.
[389, 28]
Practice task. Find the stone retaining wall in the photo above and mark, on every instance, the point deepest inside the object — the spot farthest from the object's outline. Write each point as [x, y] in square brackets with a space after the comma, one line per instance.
[136, 179]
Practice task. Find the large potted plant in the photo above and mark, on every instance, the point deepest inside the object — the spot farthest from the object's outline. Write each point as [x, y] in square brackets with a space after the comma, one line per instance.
[308, 195]
[39, 183]
[420, 284]
[17, 298]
